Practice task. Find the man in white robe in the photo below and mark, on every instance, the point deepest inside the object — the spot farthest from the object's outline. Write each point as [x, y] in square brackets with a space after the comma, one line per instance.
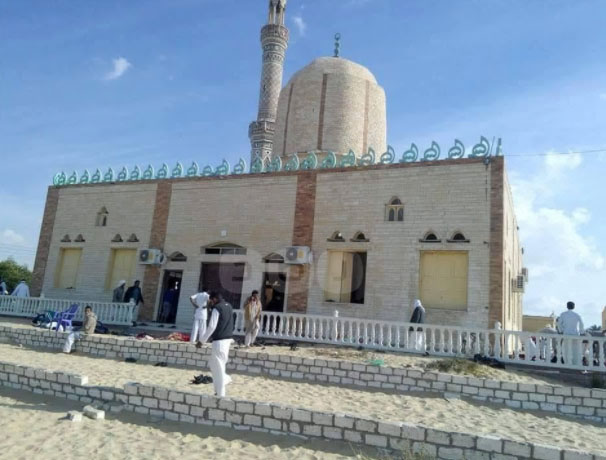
[22, 290]
[199, 301]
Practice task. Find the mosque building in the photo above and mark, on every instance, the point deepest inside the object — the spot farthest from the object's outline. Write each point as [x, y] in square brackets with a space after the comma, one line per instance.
[351, 225]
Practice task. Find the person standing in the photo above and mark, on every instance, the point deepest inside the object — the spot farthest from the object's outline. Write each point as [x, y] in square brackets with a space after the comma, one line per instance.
[219, 331]
[418, 317]
[570, 323]
[199, 301]
[118, 295]
[3, 290]
[134, 293]
[88, 327]
[252, 318]
[22, 289]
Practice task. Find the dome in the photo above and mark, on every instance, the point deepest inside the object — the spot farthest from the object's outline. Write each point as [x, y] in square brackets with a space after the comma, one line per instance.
[331, 104]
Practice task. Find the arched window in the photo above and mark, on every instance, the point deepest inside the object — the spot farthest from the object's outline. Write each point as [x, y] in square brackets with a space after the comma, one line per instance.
[177, 257]
[80, 239]
[336, 236]
[359, 237]
[458, 237]
[117, 238]
[133, 238]
[66, 239]
[394, 210]
[430, 237]
[102, 216]
[224, 249]
[273, 258]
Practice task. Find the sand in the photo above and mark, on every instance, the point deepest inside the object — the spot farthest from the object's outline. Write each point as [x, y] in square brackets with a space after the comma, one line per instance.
[454, 415]
[305, 350]
[34, 426]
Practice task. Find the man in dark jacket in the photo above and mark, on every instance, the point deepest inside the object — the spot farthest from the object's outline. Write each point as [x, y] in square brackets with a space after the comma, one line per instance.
[418, 317]
[134, 293]
[219, 331]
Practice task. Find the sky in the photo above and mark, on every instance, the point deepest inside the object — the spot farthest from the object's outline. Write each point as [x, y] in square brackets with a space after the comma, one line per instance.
[96, 84]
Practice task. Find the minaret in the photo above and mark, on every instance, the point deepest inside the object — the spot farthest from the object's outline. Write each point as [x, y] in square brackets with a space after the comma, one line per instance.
[274, 40]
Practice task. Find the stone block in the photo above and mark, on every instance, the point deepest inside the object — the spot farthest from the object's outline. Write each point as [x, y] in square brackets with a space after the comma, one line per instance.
[253, 420]
[283, 413]
[150, 403]
[490, 444]
[332, 432]
[272, 423]
[175, 396]
[263, 408]
[193, 400]
[438, 437]
[227, 404]
[93, 413]
[451, 453]
[216, 414]
[245, 407]
[376, 440]
[320, 418]
[463, 440]
[518, 449]
[366, 425]
[390, 429]
[577, 455]
[312, 430]
[413, 432]
[301, 415]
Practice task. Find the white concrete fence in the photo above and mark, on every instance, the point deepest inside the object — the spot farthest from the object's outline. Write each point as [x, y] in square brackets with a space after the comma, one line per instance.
[119, 314]
[526, 348]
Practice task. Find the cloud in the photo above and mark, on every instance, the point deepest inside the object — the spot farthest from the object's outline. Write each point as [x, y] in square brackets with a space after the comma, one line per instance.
[9, 237]
[300, 24]
[565, 263]
[121, 65]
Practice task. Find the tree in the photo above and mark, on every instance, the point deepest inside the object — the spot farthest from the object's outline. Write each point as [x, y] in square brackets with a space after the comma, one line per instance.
[11, 273]
[595, 327]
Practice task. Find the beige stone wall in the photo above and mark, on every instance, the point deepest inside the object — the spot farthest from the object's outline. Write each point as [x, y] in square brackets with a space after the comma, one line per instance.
[254, 212]
[441, 198]
[332, 104]
[512, 259]
[130, 208]
[536, 323]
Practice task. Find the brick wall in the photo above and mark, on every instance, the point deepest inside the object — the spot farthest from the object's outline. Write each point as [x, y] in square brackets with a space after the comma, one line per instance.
[44, 241]
[497, 280]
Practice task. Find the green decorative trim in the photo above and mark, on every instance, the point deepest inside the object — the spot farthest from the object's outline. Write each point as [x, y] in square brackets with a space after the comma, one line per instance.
[123, 174]
[135, 174]
[162, 172]
[109, 175]
[240, 168]
[177, 170]
[274, 165]
[481, 149]
[457, 150]
[310, 161]
[192, 171]
[256, 166]
[330, 161]
[148, 173]
[222, 169]
[389, 156]
[59, 179]
[432, 153]
[292, 164]
[348, 160]
[85, 177]
[410, 155]
[96, 177]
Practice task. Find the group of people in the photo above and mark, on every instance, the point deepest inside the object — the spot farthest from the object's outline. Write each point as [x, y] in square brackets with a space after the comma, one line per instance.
[133, 293]
[218, 329]
[21, 290]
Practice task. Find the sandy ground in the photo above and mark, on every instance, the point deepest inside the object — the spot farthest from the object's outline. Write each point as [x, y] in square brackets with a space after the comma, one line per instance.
[364, 356]
[34, 426]
[436, 412]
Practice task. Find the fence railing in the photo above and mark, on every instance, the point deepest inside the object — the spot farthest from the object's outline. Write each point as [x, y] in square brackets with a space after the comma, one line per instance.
[122, 314]
[526, 348]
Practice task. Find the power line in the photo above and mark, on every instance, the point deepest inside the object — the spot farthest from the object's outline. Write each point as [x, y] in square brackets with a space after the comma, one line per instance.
[547, 154]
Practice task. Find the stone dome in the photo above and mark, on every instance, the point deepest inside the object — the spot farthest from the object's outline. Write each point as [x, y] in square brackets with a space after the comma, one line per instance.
[331, 104]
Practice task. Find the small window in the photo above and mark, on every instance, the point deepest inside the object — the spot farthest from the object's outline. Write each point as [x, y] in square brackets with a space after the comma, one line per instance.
[133, 238]
[394, 210]
[430, 237]
[66, 239]
[458, 237]
[224, 249]
[336, 236]
[80, 239]
[117, 238]
[102, 216]
[346, 277]
[359, 237]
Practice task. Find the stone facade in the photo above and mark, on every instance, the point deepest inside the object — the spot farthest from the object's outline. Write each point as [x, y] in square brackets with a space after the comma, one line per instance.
[331, 104]
[306, 208]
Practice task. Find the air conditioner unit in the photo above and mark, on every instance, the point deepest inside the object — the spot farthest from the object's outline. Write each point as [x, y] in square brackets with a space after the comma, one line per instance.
[525, 274]
[518, 283]
[151, 257]
[298, 255]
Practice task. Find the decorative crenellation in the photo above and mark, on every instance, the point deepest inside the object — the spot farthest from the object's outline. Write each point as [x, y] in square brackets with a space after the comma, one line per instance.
[483, 149]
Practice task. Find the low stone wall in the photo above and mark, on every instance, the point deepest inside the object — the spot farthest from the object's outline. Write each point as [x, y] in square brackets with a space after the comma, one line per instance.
[278, 419]
[575, 402]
